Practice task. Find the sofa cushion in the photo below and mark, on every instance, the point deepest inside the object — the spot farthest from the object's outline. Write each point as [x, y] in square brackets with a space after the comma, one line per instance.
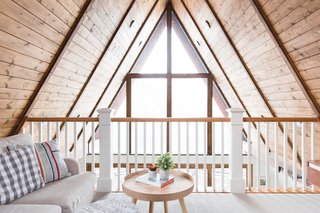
[50, 160]
[69, 193]
[23, 208]
[20, 139]
[19, 174]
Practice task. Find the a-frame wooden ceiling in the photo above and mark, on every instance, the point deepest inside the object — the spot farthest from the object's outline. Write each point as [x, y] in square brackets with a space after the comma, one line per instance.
[69, 58]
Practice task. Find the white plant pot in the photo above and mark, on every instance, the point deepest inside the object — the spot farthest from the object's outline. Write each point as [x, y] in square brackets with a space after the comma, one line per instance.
[152, 174]
[164, 174]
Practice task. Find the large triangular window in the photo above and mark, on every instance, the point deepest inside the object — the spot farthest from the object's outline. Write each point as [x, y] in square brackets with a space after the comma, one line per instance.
[169, 80]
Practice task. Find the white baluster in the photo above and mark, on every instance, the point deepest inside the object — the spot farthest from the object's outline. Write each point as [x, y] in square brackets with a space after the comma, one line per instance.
[161, 139]
[276, 173]
[187, 132]
[303, 155]
[205, 155]
[258, 157]
[144, 145]
[249, 156]
[93, 153]
[66, 139]
[135, 146]
[285, 156]
[119, 153]
[179, 145]
[222, 156]
[153, 143]
[75, 141]
[40, 132]
[58, 133]
[48, 131]
[294, 155]
[313, 142]
[32, 129]
[84, 149]
[213, 158]
[127, 147]
[197, 161]
[266, 154]
[170, 137]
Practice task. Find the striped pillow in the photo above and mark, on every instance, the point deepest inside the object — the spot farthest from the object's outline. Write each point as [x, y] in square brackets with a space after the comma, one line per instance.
[19, 174]
[51, 163]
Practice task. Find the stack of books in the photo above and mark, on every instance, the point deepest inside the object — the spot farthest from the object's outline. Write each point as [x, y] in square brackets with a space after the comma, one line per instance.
[157, 182]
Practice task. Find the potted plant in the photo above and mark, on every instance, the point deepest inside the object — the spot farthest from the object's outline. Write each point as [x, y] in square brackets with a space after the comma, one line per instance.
[165, 164]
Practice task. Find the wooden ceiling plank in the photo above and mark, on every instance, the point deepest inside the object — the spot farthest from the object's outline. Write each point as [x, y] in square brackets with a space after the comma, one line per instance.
[49, 72]
[279, 45]
[265, 100]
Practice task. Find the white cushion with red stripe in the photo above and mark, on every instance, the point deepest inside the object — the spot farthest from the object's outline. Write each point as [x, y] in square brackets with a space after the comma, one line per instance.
[52, 165]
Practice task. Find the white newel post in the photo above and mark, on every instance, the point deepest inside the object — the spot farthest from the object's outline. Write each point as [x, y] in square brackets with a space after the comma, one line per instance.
[105, 158]
[237, 183]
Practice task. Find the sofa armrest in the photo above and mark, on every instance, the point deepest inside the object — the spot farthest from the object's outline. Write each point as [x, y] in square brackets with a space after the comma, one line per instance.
[73, 166]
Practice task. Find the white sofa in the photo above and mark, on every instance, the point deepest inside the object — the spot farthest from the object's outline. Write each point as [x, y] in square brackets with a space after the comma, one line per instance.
[63, 196]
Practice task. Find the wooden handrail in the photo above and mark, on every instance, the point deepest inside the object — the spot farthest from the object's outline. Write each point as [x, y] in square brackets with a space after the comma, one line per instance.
[217, 119]
[62, 119]
[281, 119]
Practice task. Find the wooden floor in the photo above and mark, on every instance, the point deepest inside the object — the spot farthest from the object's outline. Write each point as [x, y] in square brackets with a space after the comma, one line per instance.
[226, 202]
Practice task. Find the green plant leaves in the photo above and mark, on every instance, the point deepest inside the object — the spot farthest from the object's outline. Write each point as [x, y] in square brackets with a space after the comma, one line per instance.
[165, 161]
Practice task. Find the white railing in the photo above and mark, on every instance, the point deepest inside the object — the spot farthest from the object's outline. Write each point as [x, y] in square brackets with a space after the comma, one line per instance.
[277, 164]
[210, 149]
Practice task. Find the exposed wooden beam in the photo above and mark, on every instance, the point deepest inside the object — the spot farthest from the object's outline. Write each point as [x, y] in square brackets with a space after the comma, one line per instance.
[243, 63]
[123, 58]
[201, 58]
[150, 37]
[100, 58]
[118, 67]
[248, 70]
[216, 58]
[141, 55]
[55, 61]
[285, 55]
[149, 44]
[97, 64]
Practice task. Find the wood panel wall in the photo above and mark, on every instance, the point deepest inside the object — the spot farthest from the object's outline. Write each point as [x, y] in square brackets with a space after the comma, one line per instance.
[250, 70]
[30, 34]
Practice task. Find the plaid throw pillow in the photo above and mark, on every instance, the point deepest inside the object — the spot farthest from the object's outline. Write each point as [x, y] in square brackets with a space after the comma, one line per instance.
[51, 163]
[19, 174]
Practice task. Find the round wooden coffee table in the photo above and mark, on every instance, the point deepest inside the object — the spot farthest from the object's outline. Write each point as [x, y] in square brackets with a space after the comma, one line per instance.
[180, 188]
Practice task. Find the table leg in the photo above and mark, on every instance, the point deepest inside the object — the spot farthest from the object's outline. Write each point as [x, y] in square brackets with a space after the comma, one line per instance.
[151, 207]
[133, 200]
[183, 206]
[165, 205]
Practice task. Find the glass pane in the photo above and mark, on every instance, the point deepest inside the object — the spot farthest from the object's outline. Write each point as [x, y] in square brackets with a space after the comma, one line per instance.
[189, 97]
[149, 97]
[181, 61]
[156, 62]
